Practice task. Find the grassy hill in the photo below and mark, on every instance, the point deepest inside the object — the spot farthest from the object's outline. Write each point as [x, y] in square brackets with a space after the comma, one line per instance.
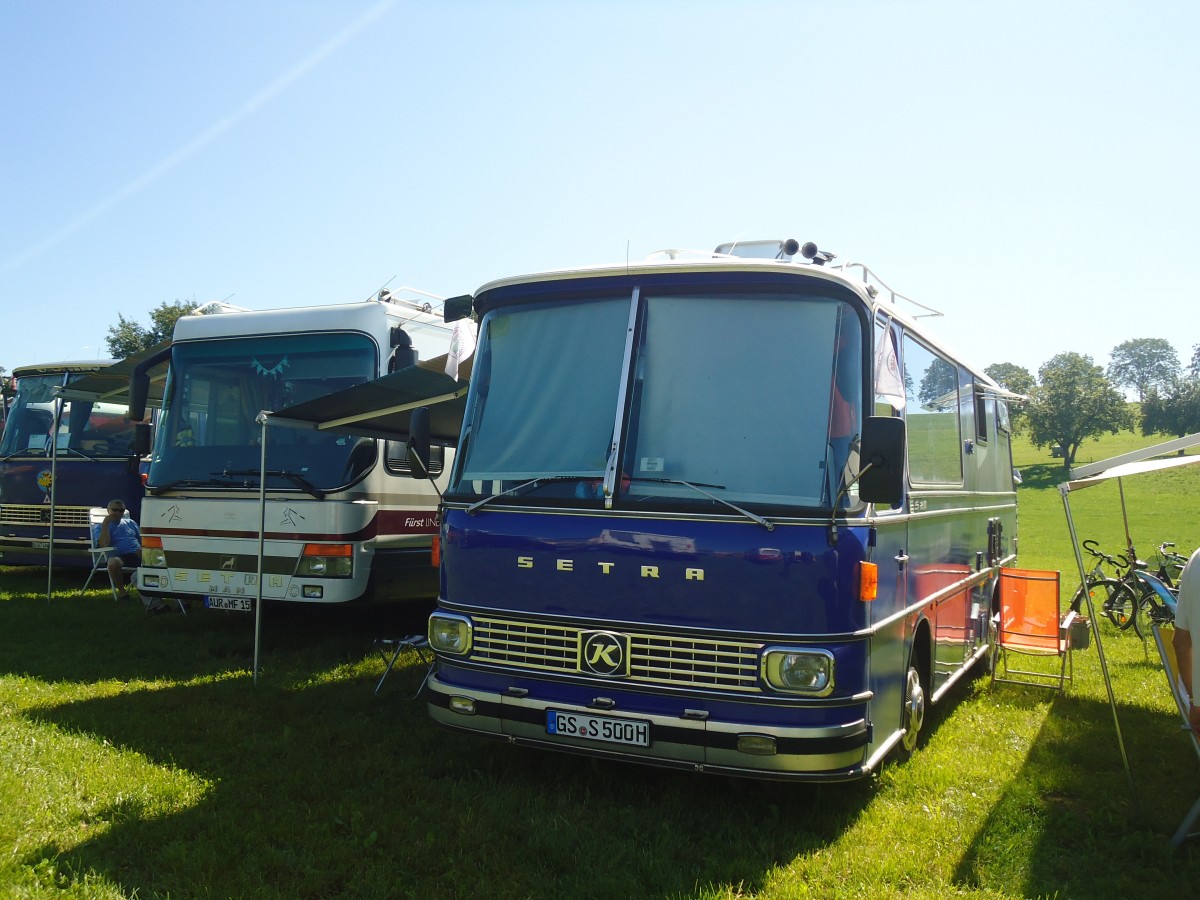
[1161, 506]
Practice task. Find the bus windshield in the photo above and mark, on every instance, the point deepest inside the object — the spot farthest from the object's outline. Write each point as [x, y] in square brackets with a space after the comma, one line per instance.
[209, 434]
[751, 398]
[96, 430]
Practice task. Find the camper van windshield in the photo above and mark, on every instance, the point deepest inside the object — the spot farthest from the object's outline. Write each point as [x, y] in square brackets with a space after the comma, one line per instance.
[86, 429]
[749, 397]
[216, 390]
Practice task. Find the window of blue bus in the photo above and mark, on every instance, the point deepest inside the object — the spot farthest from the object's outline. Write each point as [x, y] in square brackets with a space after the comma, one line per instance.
[216, 390]
[890, 398]
[931, 385]
[31, 416]
[544, 396]
[754, 397]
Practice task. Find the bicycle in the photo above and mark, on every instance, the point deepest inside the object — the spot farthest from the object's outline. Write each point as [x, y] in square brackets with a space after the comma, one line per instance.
[1159, 608]
[1170, 565]
[1113, 595]
[1122, 595]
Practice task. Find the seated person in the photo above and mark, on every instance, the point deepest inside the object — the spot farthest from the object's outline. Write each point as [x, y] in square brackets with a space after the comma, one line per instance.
[124, 536]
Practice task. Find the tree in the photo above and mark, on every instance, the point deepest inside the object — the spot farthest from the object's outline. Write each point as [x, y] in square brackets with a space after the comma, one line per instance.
[1174, 410]
[128, 337]
[1073, 401]
[1013, 378]
[1143, 363]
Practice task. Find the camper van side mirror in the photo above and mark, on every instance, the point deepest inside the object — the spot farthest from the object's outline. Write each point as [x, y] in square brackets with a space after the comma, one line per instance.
[417, 449]
[139, 393]
[457, 308]
[882, 447]
[141, 439]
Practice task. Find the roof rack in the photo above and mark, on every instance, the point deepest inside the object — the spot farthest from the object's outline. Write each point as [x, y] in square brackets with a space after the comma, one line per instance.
[874, 285]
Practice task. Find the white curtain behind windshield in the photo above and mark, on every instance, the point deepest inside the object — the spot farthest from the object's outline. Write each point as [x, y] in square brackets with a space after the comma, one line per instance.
[545, 391]
[734, 392]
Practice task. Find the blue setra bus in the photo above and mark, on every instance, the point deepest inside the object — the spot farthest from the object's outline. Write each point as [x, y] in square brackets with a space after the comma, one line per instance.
[735, 513]
[59, 457]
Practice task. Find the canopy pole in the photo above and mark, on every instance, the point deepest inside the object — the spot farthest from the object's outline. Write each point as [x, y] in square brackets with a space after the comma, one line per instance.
[58, 406]
[1065, 490]
[1125, 519]
[262, 527]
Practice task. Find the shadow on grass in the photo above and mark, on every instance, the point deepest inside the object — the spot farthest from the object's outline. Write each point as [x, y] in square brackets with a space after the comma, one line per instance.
[1070, 815]
[315, 787]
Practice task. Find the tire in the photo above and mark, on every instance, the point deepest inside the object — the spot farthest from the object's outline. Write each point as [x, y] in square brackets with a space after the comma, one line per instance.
[1102, 590]
[1121, 607]
[913, 711]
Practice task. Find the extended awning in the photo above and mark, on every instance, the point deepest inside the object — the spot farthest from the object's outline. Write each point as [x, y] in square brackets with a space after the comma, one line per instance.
[1138, 462]
[111, 384]
[382, 408]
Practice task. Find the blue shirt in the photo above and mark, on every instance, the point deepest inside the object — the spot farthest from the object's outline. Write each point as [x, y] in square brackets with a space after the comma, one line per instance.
[124, 537]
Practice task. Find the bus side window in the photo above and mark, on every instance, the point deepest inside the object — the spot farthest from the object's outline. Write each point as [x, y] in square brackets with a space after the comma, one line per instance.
[981, 415]
[932, 411]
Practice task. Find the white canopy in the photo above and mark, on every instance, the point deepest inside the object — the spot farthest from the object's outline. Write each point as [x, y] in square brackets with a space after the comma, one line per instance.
[1139, 462]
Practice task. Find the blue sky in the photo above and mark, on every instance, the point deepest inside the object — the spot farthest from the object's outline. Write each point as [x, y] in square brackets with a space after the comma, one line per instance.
[1028, 168]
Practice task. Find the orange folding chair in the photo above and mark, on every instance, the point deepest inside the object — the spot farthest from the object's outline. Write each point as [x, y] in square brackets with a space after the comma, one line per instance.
[1031, 626]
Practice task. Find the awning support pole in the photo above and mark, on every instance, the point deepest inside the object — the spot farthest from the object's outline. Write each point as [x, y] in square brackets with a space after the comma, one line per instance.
[1087, 596]
[262, 528]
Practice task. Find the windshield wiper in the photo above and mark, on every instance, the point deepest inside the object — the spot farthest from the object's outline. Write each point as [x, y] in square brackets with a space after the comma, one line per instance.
[157, 489]
[533, 482]
[698, 487]
[298, 480]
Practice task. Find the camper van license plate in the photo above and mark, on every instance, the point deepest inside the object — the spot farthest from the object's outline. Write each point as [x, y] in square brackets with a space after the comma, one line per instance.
[241, 604]
[598, 728]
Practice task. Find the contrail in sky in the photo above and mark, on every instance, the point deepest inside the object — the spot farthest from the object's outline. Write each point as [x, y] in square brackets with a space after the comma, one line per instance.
[203, 139]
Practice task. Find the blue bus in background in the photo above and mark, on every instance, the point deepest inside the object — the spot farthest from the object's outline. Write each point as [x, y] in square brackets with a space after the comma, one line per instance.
[60, 457]
[732, 512]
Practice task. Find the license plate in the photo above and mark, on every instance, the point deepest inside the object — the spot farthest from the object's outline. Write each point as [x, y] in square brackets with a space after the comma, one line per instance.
[41, 545]
[607, 729]
[241, 604]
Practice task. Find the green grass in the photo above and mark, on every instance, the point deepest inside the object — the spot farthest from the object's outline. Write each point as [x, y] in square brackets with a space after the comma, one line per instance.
[139, 760]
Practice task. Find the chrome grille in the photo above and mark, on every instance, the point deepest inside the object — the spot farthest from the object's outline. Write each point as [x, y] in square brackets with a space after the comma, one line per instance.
[31, 514]
[654, 658]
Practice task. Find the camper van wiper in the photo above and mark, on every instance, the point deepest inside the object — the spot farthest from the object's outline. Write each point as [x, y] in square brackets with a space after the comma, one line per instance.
[298, 480]
[699, 488]
[520, 488]
[157, 489]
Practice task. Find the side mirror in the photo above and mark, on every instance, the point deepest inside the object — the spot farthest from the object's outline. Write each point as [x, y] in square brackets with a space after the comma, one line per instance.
[141, 439]
[457, 308]
[139, 393]
[417, 449]
[882, 455]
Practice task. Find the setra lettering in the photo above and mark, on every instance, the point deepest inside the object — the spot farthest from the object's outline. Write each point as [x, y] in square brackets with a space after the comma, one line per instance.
[607, 567]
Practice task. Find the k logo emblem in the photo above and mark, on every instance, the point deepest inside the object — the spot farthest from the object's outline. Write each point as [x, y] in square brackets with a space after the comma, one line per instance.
[604, 653]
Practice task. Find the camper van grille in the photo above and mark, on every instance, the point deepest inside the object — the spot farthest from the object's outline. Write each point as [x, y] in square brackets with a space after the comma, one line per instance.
[39, 514]
[654, 659]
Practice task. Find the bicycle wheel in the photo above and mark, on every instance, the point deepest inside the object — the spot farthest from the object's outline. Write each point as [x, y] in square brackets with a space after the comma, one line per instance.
[1121, 607]
[1101, 590]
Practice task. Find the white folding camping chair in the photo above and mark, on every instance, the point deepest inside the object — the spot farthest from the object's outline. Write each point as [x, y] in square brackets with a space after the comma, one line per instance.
[100, 554]
[1166, 651]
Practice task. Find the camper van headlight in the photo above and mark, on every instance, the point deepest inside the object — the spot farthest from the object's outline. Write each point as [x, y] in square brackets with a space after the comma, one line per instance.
[449, 633]
[326, 561]
[153, 556]
[798, 670]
